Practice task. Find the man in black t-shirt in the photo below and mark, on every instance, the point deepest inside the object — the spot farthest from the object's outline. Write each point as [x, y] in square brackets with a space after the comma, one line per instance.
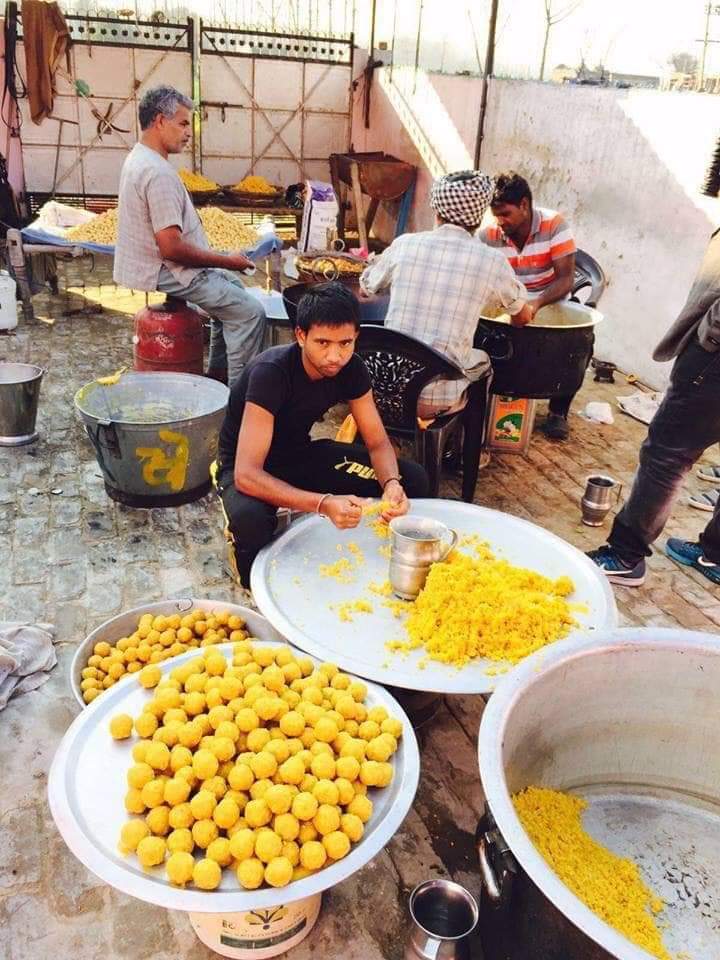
[266, 457]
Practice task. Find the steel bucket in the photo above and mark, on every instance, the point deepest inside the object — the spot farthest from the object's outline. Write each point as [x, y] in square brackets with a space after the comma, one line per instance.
[630, 721]
[19, 396]
[154, 435]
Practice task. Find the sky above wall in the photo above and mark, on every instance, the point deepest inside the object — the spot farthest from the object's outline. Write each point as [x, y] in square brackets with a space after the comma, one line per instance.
[634, 36]
[629, 36]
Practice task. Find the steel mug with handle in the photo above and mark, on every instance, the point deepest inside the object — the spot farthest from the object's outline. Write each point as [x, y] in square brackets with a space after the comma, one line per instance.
[416, 543]
[598, 499]
[443, 916]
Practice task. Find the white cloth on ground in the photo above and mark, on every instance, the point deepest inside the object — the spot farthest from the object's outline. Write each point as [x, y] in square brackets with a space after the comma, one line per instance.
[27, 656]
[641, 406]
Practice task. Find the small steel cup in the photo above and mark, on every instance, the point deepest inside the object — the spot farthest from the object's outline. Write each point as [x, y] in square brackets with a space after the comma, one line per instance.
[598, 499]
[415, 544]
[443, 916]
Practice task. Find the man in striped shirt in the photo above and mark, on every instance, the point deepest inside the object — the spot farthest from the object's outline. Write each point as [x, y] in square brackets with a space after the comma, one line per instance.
[540, 248]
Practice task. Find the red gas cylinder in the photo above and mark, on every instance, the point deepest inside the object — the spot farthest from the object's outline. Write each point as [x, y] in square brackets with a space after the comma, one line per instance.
[169, 337]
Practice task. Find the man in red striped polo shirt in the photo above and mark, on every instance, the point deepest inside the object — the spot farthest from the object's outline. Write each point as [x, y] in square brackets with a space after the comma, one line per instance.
[540, 248]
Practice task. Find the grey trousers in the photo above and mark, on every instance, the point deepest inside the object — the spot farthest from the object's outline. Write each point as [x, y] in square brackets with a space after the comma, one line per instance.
[686, 423]
[221, 294]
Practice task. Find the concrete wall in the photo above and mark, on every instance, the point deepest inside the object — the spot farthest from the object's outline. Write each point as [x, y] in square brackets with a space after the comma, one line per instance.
[625, 167]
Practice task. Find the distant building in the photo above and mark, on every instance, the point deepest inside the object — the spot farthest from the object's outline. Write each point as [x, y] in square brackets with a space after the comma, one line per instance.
[562, 73]
[600, 77]
[634, 80]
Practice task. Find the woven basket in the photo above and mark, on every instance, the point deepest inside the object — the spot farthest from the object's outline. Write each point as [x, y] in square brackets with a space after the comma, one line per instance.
[319, 266]
[200, 197]
[239, 198]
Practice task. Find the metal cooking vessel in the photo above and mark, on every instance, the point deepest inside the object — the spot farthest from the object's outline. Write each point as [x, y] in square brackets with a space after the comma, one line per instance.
[547, 358]
[630, 720]
[154, 435]
[124, 624]
[19, 397]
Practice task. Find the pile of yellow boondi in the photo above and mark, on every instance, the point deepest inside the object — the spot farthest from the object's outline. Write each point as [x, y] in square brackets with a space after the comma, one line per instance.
[610, 886]
[255, 184]
[479, 606]
[197, 182]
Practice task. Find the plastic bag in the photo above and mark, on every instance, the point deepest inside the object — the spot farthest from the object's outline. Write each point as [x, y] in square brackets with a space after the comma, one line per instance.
[598, 411]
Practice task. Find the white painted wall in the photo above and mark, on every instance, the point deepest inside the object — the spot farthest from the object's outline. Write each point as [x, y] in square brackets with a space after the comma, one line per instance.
[624, 166]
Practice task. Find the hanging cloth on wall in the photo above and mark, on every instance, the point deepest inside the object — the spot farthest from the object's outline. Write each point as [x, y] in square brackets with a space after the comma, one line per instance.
[46, 35]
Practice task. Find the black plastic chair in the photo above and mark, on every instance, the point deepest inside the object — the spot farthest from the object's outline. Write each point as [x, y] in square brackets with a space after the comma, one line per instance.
[588, 274]
[400, 366]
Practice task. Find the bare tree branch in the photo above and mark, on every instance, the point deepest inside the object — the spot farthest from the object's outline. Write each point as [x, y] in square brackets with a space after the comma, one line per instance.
[561, 15]
[550, 20]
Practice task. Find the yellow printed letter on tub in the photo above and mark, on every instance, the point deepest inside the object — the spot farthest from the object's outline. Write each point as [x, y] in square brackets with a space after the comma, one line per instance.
[160, 468]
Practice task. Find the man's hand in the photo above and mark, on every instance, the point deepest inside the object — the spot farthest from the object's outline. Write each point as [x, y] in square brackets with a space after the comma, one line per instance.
[398, 503]
[363, 294]
[172, 247]
[344, 511]
[238, 261]
[525, 316]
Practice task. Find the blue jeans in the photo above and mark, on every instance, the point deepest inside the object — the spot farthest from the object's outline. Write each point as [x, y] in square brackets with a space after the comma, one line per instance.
[686, 423]
[240, 325]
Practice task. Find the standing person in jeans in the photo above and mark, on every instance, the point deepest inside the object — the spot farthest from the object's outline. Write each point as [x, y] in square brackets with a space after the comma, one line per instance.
[686, 423]
[266, 457]
[540, 247]
[161, 243]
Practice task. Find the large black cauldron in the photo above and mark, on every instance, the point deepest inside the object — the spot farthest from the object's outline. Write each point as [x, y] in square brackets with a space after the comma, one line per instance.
[548, 358]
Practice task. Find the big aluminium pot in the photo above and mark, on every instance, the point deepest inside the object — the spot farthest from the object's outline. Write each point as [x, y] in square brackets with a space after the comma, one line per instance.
[547, 358]
[630, 721]
[154, 435]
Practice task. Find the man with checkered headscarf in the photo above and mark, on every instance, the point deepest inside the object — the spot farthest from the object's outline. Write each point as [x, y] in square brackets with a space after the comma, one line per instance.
[462, 198]
[441, 281]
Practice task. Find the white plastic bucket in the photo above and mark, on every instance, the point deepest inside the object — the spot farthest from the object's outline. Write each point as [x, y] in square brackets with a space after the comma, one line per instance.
[8, 304]
[257, 934]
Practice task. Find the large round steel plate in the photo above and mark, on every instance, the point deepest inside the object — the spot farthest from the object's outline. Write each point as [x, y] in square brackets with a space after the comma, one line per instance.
[87, 787]
[302, 603]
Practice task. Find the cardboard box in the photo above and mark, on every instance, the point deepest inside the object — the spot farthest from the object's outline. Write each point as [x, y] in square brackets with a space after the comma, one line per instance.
[510, 424]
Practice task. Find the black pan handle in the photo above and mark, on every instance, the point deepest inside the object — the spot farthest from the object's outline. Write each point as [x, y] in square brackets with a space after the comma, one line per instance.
[498, 867]
[496, 343]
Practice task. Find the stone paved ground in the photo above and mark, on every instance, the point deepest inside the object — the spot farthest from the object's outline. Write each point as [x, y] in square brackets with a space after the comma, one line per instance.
[76, 558]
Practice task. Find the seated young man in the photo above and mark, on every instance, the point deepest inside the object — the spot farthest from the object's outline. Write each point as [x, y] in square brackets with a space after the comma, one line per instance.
[267, 459]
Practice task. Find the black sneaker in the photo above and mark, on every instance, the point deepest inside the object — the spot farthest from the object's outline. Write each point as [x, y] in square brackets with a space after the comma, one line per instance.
[615, 569]
[556, 427]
